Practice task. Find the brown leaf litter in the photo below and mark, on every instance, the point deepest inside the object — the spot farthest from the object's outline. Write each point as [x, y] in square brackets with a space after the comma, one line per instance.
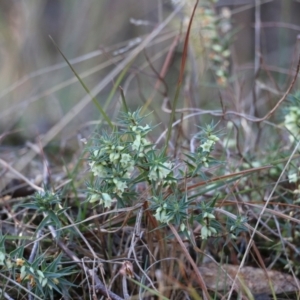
[258, 281]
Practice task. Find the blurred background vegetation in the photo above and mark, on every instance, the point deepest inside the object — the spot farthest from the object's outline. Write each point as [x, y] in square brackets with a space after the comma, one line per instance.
[38, 89]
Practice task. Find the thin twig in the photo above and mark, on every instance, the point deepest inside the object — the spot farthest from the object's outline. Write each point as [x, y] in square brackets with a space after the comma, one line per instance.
[19, 175]
[125, 289]
[32, 257]
[5, 295]
[191, 261]
[20, 286]
[135, 237]
[220, 113]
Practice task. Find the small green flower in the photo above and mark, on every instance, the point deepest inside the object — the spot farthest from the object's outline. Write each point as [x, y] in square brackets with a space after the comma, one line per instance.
[125, 159]
[160, 171]
[94, 197]
[145, 128]
[213, 138]
[121, 185]
[106, 200]
[161, 214]
[206, 147]
[217, 47]
[293, 178]
[98, 169]
[207, 231]
[114, 157]
[204, 162]
[208, 215]
[137, 143]
[182, 226]
[103, 198]
[140, 129]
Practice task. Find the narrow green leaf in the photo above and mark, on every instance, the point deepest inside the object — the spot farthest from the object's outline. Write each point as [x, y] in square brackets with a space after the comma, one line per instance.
[107, 119]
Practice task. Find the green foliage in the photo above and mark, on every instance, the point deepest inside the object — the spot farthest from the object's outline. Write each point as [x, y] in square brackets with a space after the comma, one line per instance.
[120, 160]
[49, 204]
[45, 275]
[202, 157]
[123, 159]
[188, 191]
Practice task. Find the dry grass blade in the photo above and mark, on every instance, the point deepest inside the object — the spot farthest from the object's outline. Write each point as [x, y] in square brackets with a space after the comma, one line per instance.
[224, 177]
[198, 275]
